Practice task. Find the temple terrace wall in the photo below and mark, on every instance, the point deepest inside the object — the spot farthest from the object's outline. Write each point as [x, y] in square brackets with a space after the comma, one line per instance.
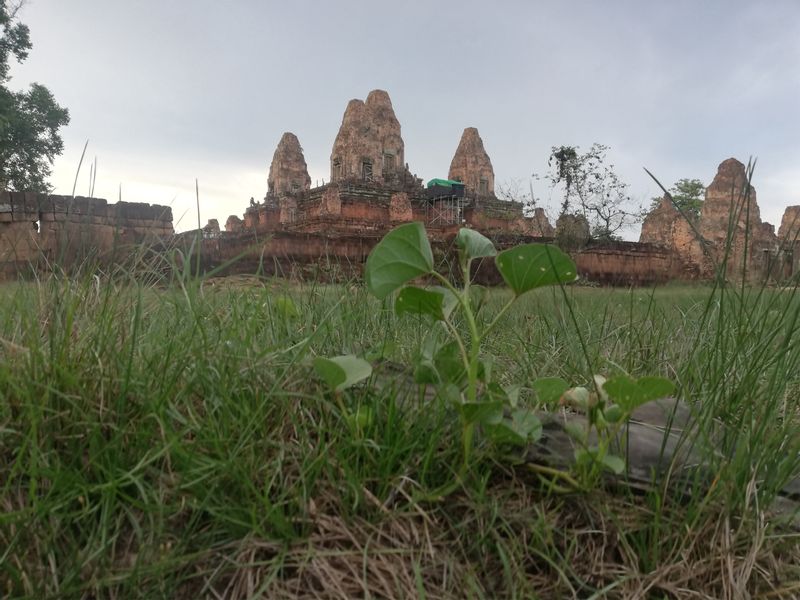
[38, 229]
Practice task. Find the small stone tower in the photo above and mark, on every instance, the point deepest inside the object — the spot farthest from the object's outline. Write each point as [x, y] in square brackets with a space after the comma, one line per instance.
[471, 165]
[368, 146]
[288, 173]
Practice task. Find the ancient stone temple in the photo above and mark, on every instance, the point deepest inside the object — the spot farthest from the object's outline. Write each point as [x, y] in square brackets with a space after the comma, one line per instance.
[471, 164]
[730, 222]
[369, 147]
[288, 173]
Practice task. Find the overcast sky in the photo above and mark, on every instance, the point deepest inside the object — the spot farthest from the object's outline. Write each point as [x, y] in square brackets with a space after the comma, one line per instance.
[167, 91]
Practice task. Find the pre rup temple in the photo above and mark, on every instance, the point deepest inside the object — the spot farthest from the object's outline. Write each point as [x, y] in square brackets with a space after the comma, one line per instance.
[326, 232]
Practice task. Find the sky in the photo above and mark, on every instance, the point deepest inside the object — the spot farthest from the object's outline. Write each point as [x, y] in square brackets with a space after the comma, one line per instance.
[169, 92]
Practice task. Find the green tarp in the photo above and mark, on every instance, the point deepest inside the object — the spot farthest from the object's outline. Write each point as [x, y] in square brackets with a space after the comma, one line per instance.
[443, 182]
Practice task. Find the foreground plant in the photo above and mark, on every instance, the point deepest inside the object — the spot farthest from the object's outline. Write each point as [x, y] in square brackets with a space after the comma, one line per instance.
[600, 443]
[457, 367]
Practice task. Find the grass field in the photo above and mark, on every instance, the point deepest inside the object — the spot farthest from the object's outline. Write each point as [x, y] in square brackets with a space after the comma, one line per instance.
[172, 441]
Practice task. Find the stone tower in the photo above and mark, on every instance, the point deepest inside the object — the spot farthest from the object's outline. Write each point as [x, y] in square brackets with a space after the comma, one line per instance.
[471, 165]
[368, 146]
[731, 191]
[288, 173]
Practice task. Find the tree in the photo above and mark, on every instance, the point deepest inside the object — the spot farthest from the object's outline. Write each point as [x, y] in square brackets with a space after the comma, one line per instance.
[512, 191]
[29, 120]
[592, 189]
[687, 195]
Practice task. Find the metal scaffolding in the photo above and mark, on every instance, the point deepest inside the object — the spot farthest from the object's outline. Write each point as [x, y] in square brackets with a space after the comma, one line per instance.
[444, 210]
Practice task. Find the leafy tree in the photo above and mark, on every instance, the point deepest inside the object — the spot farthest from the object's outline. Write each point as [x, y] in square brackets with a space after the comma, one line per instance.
[687, 194]
[592, 189]
[29, 120]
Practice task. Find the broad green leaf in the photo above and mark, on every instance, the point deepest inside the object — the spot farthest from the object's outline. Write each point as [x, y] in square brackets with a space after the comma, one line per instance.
[485, 412]
[449, 393]
[417, 301]
[342, 372]
[512, 393]
[613, 413]
[630, 394]
[624, 391]
[523, 427]
[656, 388]
[526, 422]
[425, 373]
[450, 300]
[495, 392]
[508, 395]
[286, 307]
[576, 431]
[614, 463]
[402, 255]
[449, 364]
[585, 456]
[531, 266]
[474, 244]
[549, 389]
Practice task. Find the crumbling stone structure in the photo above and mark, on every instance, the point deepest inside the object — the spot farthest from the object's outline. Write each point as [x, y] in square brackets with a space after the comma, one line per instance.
[234, 224]
[471, 164]
[37, 229]
[288, 172]
[572, 231]
[211, 229]
[729, 231]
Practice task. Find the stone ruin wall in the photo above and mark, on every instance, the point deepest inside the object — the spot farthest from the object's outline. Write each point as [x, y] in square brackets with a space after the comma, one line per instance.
[40, 229]
[626, 264]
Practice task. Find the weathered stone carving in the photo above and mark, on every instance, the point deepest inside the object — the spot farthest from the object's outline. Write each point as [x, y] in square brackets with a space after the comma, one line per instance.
[288, 173]
[369, 146]
[471, 165]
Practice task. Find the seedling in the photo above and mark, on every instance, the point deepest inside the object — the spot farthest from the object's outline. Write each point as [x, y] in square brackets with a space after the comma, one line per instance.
[608, 407]
[457, 367]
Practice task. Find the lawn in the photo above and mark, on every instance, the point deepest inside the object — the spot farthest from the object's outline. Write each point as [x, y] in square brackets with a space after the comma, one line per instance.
[171, 439]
